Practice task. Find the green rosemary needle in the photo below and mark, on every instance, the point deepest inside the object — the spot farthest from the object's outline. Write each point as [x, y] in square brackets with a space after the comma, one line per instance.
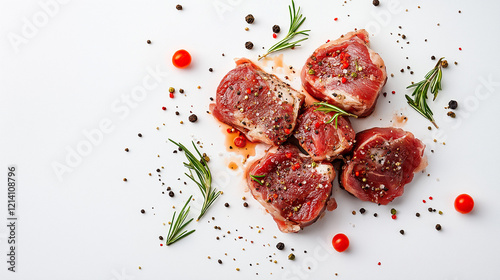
[256, 178]
[203, 174]
[296, 21]
[177, 225]
[327, 108]
[432, 81]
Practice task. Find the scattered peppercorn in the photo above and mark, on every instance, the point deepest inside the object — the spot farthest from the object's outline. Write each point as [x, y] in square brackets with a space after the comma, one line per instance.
[393, 211]
[161, 237]
[124, 179]
[210, 69]
[171, 89]
[444, 63]
[177, 113]
[291, 257]
[249, 19]
[226, 204]
[249, 45]
[429, 209]
[280, 246]
[451, 114]
[178, 7]
[403, 36]
[276, 28]
[417, 214]
[193, 118]
[148, 41]
[126, 149]
[376, 2]
[453, 104]
[143, 211]
[171, 193]
[219, 261]
[158, 170]
[245, 204]
[438, 227]
[181, 90]
[433, 57]
[140, 135]
[375, 214]
[362, 210]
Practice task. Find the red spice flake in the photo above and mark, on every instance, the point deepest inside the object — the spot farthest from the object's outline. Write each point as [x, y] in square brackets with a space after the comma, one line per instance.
[295, 166]
[249, 91]
[424, 201]
[356, 173]
[287, 131]
[459, 49]
[344, 80]
[430, 197]
[317, 125]
[164, 108]
[393, 92]
[394, 217]
[379, 263]
[231, 130]
[328, 41]
[171, 95]
[288, 155]
[161, 244]
[335, 19]
[275, 35]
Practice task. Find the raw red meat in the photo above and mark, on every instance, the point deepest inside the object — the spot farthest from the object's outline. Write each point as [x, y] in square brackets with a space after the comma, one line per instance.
[292, 188]
[346, 73]
[383, 161]
[322, 140]
[258, 104]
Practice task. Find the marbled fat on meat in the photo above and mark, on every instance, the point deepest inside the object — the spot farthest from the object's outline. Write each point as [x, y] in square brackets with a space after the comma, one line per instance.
[258, 104]
[383, 162]
[320, 139]
[293, 189]
[346, 73]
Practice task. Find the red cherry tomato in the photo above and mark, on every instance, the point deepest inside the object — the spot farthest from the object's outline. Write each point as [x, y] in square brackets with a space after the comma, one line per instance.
[181, 59]
[240, 141]
[340, 242]
[464, 203]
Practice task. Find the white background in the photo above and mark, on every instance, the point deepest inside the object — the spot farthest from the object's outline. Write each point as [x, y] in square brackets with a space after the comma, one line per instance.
[68, 67]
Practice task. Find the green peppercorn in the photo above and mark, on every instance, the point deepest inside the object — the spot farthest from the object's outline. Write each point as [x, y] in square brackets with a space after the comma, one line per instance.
[291, 257]
[311, 72]
[171, 89]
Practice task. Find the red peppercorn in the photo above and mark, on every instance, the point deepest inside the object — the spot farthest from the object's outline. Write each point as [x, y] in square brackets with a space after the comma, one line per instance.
[171, 95]
[335, 19]
[317, 125]
[459, 49]
[430, 197]
[344, 80]
[240, 141]
[164, 108]
[424, 201]
[393, 92]
[275, 35]
[287, 131]
[249, 91]
[288, 155]
[394, 217]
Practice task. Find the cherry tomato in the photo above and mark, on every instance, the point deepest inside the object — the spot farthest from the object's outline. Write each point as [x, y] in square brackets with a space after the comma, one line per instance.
[464, 203]
[340, 242]
[181, 59]
[240, 141]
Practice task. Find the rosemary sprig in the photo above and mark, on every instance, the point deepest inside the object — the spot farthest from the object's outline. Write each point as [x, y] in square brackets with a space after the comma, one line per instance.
[177, 225]
[296, 21]
[256, 178]
[203, 174]
[327, 108]
[432, 81]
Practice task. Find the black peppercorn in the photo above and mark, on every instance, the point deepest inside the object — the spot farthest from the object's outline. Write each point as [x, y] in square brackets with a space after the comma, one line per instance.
[178, 7]
[453, 104]
[438, 227]
[249, 45]
[249, 19]
[181, 90]
[158, 170]
[210, 69]
[193, 118]
[226, 204]
[143, 211]
[418, 214]
[402, 232]
[433, 57]
[148, 41]
[276, 28]
[171, 194]
[403, 36]
[375, 214]
[219, 261]
[245, 204]
[376, 2]
[161, 237]
[280, 246]
[126, 149]
[362, 210]
[177, 113]
[140, 135]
